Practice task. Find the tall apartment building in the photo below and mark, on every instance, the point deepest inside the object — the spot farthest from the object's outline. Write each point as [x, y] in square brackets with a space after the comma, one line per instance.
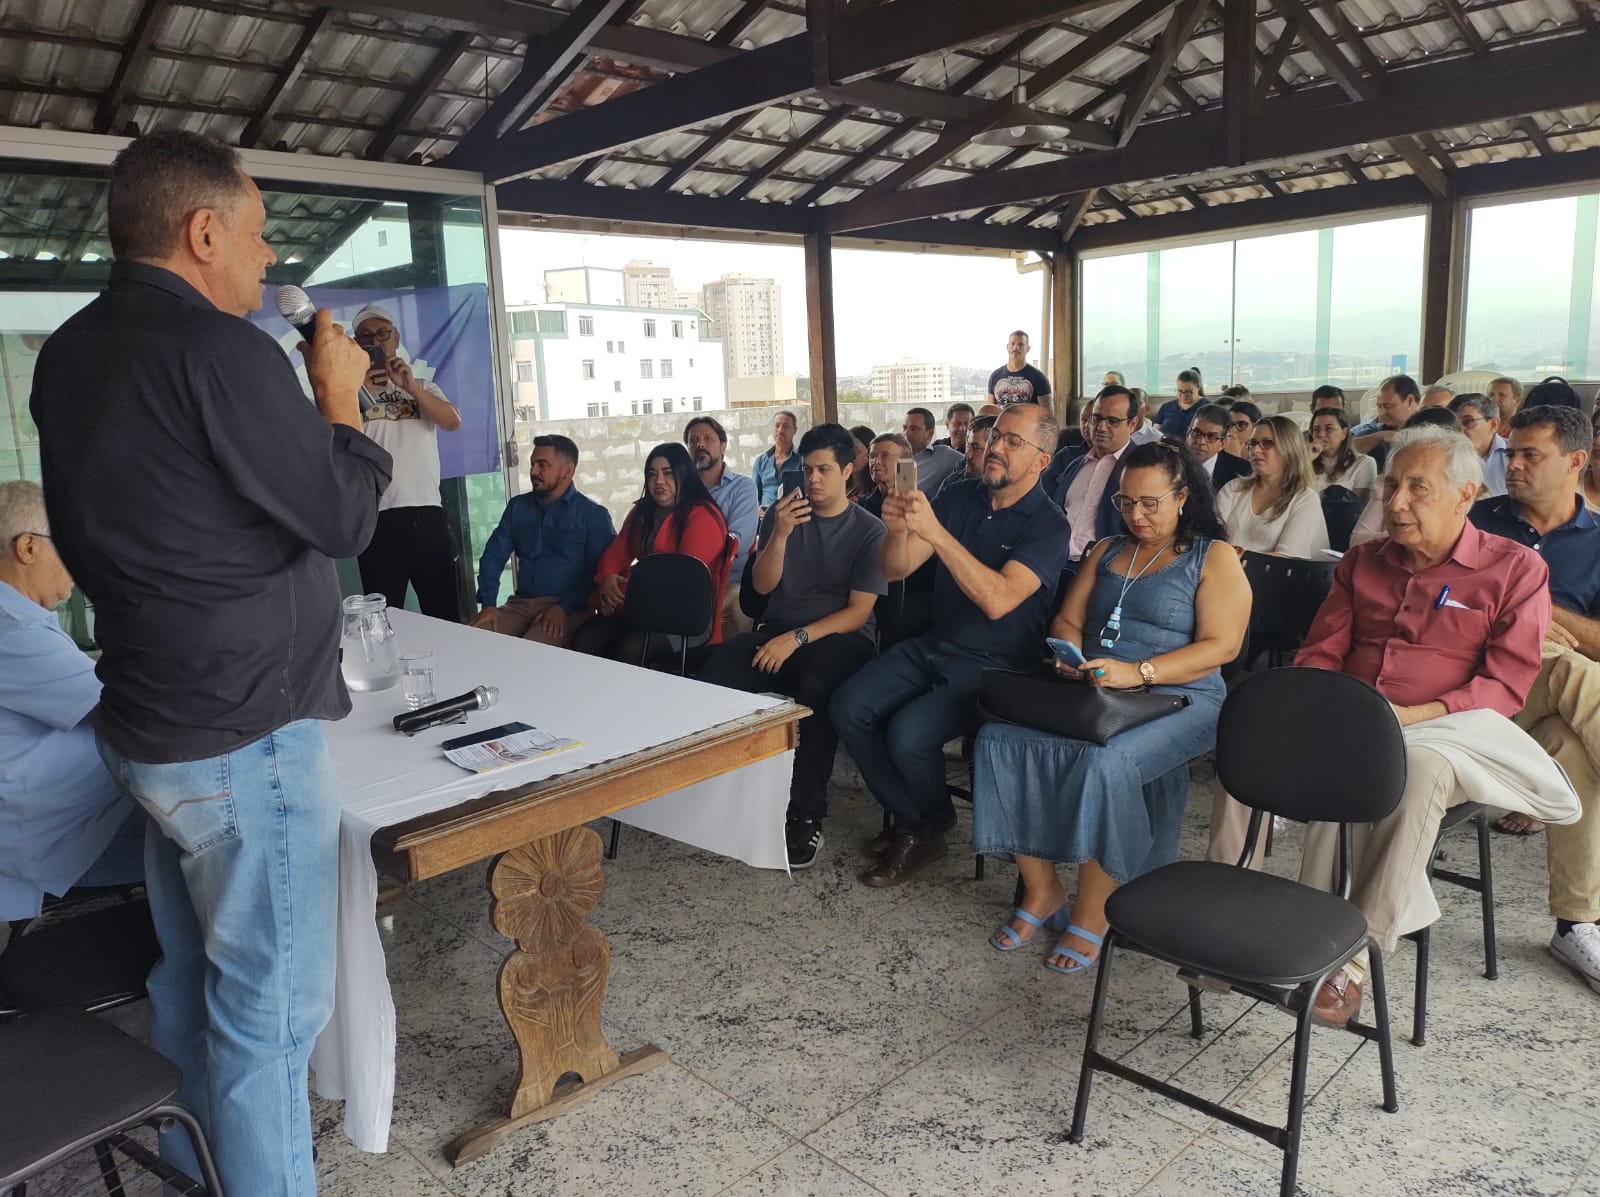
[585, 284]
[923, 384]
[646, 285]
[574, 361]
[747, 314]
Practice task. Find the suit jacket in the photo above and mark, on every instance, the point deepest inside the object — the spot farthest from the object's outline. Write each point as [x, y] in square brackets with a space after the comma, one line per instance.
[1107, 521]
[1228, 468]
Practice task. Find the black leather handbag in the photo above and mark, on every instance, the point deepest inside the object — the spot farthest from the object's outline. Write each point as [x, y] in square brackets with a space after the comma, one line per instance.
[1044, 700]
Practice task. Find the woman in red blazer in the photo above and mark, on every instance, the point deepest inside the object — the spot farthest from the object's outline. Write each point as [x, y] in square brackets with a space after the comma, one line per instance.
[675, 514]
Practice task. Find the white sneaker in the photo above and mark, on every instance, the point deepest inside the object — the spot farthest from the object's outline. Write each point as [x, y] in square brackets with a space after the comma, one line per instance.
[1579, 950]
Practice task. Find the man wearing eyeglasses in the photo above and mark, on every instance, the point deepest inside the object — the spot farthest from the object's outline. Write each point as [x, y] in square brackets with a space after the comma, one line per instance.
[1208, 429]
[402, 413]
[1480, 420]
[997, 544]
[1086, 486]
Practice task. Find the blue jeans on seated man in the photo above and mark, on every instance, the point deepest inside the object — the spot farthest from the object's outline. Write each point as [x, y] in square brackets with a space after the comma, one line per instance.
[242, 869]
[895, 716]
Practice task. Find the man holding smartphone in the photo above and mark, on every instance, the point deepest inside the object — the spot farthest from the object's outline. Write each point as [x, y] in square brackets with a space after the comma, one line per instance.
[413, 544]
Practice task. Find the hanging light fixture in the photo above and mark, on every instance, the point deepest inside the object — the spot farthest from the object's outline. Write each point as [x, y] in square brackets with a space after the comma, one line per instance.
[1026, 133]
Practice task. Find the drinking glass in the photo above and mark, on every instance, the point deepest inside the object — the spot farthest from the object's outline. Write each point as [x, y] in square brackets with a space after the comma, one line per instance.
[417, 674]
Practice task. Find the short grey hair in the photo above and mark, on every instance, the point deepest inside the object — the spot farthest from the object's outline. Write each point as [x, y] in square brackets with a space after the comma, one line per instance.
[1462, 465]
[1478, 402]
[21, 510]
[894, 438]
[1439, 388]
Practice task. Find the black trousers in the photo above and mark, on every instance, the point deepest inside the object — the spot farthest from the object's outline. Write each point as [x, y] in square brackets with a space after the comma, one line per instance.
[809, 676]
[413, 545]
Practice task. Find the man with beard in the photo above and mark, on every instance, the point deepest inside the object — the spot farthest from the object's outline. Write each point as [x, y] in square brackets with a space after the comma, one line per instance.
[558, 536]
[735, 494]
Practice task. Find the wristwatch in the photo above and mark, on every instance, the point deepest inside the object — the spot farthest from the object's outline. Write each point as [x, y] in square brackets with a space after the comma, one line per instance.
[802, 637]
[1148, 672]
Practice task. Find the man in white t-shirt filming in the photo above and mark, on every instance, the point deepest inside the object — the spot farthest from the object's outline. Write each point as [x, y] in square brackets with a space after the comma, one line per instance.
[412, 544]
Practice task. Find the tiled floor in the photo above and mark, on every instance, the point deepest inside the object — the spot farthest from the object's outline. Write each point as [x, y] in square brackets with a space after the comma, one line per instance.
[829, 1039]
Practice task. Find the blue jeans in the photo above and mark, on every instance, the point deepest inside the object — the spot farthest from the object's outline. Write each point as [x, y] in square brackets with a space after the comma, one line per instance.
[243, 883]
[895, 716]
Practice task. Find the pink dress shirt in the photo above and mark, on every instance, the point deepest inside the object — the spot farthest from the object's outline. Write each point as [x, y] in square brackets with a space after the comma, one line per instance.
[1480, 650]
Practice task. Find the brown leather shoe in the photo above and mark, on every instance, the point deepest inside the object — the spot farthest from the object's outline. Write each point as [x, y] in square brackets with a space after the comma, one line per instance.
[878, 846]
[1338, 1000]
[905, 856]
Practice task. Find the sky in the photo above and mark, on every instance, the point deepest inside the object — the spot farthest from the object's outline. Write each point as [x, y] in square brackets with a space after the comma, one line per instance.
[887, 305]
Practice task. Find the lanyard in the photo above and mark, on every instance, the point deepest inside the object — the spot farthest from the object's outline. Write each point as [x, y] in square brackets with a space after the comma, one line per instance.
[1112, 631]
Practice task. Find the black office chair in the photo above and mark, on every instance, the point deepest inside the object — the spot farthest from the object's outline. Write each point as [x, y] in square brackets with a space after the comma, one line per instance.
[1477, 815]
[1285, 594]
[90, 960]
[1341, 510]
[1272, 939]
[70, 1083]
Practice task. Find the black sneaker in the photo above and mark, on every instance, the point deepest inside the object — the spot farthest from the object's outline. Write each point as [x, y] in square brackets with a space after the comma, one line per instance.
[805, 841]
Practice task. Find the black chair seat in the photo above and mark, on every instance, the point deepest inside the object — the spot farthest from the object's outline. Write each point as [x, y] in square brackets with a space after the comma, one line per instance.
[1223, 921]
[64, 1078]
[88, 960]
[1455, 816]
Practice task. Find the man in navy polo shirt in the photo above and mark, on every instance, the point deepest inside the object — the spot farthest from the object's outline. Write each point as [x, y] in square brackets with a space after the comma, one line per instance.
[1542, 509]
[999, 543]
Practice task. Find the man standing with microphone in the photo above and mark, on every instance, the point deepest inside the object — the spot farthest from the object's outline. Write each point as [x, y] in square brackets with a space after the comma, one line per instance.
[199, 499]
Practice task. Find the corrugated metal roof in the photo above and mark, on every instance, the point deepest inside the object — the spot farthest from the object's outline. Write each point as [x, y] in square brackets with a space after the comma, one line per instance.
[212, 66]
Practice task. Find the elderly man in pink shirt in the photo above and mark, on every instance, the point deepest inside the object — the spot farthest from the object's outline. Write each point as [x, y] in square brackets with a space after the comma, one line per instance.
[1441, 618]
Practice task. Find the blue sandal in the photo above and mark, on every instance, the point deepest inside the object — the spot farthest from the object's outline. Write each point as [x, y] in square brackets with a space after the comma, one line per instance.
[1080, 962]
[1007, 940]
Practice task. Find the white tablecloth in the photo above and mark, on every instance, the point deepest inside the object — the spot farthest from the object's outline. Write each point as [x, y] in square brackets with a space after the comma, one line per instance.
[387, 778]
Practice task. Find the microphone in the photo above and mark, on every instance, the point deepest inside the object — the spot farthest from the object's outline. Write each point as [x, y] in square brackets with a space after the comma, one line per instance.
[451, 710]
[295, 306]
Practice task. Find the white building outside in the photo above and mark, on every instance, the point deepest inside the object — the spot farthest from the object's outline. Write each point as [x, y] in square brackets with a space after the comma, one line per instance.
[923, 384]
[747, 315]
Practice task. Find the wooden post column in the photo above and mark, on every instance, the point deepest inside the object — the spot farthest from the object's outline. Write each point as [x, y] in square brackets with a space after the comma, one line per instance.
[819, 329]
[1440, 279]
[1064, 330]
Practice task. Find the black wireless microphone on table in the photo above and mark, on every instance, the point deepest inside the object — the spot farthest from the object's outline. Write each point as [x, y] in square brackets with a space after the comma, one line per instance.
[451, 710]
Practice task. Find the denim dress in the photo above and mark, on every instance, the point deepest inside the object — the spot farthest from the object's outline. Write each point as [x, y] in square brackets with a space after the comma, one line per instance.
[1119, 804]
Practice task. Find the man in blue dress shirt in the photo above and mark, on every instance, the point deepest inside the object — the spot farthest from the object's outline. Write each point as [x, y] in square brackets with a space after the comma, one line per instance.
[63, 821]
[558, 536]
[735, 494]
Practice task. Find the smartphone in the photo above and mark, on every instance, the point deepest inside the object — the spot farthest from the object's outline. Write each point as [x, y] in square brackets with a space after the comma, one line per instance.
[1067, 652]
[798, 495]
[905, 477]
[483, 737]
[379, 361]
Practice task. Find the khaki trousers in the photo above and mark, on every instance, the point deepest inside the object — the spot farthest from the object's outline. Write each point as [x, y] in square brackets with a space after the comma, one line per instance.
[734, 621]
[520, 617]
[1563, 717]
[1389, 871]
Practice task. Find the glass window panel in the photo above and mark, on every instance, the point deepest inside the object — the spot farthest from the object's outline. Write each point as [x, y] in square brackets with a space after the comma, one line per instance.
[1275, 314]
[1196, 322]
[1518, 319]
[1375, 303]
[1115, 304]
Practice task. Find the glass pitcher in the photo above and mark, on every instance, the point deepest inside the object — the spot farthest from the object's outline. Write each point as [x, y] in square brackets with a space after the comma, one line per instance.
[368, 658]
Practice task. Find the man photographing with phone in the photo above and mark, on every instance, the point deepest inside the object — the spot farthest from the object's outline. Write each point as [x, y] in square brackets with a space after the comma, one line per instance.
[413, 544]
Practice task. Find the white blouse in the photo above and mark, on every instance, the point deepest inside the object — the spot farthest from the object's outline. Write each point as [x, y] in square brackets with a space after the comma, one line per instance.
[1361, 475]
[1298, 532]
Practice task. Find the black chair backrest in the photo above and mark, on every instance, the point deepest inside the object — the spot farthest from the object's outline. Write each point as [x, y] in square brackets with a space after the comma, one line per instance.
[751, 601]
[1341, 511]
[671, 594]
[1285, 593]
[886, 611]
[1273, 741]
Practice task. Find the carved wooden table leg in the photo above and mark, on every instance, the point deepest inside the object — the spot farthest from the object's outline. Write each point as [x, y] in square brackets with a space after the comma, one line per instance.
[552, 985]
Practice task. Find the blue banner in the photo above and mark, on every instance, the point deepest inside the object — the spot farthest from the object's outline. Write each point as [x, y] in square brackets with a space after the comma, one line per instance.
[446, 338]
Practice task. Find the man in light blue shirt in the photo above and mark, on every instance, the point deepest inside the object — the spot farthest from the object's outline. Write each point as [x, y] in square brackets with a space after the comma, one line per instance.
[63, 820]
[1480, 420]
[735, 494]
[935, 463]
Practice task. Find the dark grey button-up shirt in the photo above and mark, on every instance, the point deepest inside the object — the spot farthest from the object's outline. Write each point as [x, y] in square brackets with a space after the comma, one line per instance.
[198, 498]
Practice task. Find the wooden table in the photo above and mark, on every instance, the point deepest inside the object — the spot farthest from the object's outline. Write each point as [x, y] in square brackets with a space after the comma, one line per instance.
[545, 878]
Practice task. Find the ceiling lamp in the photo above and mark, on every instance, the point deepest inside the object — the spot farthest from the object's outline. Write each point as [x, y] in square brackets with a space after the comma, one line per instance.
[1028, 133]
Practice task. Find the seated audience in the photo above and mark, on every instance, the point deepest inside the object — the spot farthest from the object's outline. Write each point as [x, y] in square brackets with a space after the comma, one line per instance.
[1087, 484]
[1147, 433]
[1507, 395]
[675, 514]
[818, 566]
[1441, 618]
[1233, 393]
[1327, 395]
[935, 463]
[1399, 398]
[1480, 420]
[861, 475]
[977, 449]
[1438, 395]
[734, 494]
[887, 449]
[1242, 419]
[1333, 461]
[777, 471]
[1113, 378]
[1553, 391]
[1277, 510]
[998, 543]
[1208, 429]
[1173, 418]
[958, 419]
[557, 535]
[64, 820]
[1370, 525]
[1116, 810]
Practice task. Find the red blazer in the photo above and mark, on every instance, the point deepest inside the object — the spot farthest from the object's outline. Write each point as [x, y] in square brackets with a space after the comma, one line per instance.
[705, 536]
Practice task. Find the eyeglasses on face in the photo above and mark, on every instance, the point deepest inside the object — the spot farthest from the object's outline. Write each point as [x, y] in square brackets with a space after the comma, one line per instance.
[1206, 438]
[1107, 421]
[385, 335]
[1242, 425]
[1011, 441]
[1471, 422]
[1258, 443]
[1149, 504]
